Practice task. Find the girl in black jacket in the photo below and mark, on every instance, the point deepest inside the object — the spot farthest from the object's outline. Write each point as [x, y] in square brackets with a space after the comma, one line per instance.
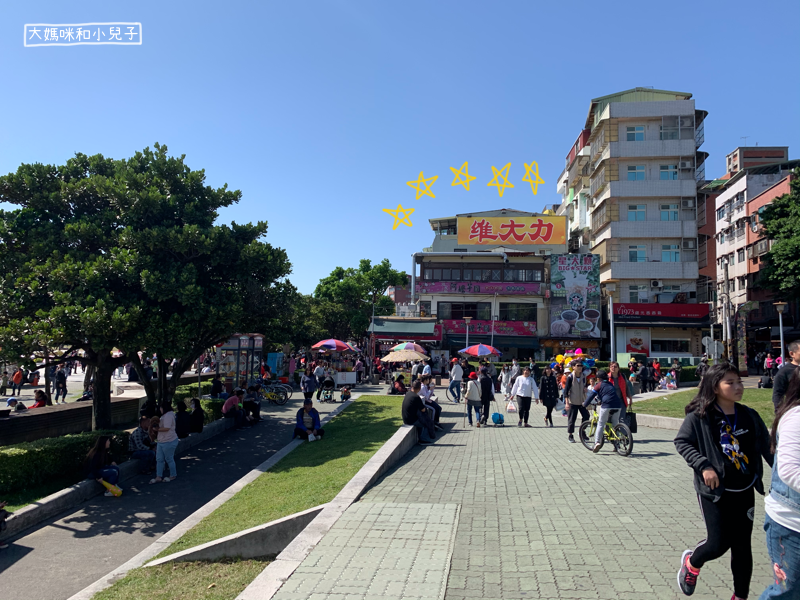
[548, 392]
[723, 442]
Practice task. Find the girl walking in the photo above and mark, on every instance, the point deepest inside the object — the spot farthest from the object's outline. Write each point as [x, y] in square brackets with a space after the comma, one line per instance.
[782, 522]
[167, 443]
[723, 442]
[548, 392]
[505, 382]
[524, 389]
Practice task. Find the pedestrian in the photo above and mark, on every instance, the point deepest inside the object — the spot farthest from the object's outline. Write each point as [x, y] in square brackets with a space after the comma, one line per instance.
[516, 371]
[4, 383]
[16, 382]
[701, 369]
[505, 382]
[723, 442]
[415, 371]
[4, 514]
[319, 373]
[623, 387]
[676, 369]
[182, 420]
[359, 369]
[633, 365]
[610, 405]
[656, 370]
[644, 376]
[769, 364]
[574, 396]
[426, 369]
[99, 465]
[167, 444]
[525, 389]
[548, 392]
[456, 374]
[473, 399]
[39, 399]
[782, 505]
[780, 383]
[61, 385]
[487, 393]
[308, 383]
[492, 370]
[197, 418]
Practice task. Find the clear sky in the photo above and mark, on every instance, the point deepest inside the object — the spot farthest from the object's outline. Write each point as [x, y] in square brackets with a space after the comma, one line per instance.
[320, 112]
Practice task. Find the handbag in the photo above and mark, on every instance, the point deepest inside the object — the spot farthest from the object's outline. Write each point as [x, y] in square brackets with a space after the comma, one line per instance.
[630, 417]
[511, 407]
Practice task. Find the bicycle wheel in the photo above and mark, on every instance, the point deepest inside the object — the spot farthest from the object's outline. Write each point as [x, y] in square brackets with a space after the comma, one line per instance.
[289, 390]
[447, 394]
[280, 396]
[624, 443]
[587, 436]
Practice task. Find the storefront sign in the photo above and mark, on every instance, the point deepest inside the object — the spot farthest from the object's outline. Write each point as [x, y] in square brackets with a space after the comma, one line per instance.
[637, 341]
[511, 231]
[575, 296]
[468, 287]
[398, 338]
[459, 327]
[688, 314]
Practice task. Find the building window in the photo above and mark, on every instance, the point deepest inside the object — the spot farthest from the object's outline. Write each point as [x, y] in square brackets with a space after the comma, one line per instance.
[517, 312]
[637, 212]
[669, 212]
[455, 274]
[637, 294]
[446, 274]
[742, 283]
[429, 274]
[668, 172]
[637, 254]
[481, 311]
[636, 173]
[740, 255]
[425, 308]
[671, 288]
[635, 134]
[721, 237]
[669, 128]
[437, 274]
[486, 274]
[496, 275]
[468, 274]
[669, 346]
[720, 213]
[670, 253]
[513, 274]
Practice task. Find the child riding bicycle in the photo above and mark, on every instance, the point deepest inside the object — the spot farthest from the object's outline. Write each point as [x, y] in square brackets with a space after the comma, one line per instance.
[610, 406]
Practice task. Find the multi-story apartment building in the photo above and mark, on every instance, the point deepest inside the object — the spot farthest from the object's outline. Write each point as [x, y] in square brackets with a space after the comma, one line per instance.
[642, 167]
[739, 246]
[755, 156]
[487, 274]
[574, 187]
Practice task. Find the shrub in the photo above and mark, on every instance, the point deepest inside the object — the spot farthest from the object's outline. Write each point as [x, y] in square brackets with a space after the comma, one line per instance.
[32, 463]
[185, 392]
[213, 409]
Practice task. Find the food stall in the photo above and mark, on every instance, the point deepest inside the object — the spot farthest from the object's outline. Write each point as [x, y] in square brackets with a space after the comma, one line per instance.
[341, 358]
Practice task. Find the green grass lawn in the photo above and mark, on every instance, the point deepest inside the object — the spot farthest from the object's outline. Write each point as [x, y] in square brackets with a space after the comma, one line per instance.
[23, 498]
[310, 475]
[672, 405]
[200, 580]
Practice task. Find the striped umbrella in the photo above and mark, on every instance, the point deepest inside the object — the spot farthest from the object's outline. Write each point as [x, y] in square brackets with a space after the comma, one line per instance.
[409, 346]
[481, 350]
[331, 345]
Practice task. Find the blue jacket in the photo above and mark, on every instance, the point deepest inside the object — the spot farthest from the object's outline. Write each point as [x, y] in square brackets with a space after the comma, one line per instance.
[607, 394]
[314, 415]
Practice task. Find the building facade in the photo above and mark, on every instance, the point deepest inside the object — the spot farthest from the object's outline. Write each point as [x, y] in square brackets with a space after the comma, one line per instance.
[638, 169]
[485, 279]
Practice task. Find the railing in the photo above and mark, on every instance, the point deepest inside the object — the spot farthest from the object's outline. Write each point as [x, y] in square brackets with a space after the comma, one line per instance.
[739, 232]
[598, 144]
[699, 134]
[700, 173]
[599, 182]
[702, 255]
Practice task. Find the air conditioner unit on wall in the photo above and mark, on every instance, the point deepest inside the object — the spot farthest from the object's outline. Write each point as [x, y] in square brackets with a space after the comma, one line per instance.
[686, 164]
[689, 244]
[656, 283]
[687, 203]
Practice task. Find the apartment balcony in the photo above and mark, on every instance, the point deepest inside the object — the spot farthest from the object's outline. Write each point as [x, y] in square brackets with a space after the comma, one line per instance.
[654, 188]
[653, 270]
[650, 149]
[654, 229]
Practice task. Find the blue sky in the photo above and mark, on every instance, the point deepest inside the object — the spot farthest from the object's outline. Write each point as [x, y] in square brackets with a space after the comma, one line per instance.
[321, 111]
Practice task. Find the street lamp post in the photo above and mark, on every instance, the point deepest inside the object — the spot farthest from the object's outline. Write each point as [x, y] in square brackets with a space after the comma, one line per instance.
[781, 306]
[467, 319]
[610, 288]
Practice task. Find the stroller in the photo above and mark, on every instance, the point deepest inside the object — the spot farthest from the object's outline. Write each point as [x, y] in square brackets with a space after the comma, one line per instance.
[328, 388]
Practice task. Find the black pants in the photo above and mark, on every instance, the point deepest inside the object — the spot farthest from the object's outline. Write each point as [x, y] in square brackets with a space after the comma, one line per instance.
[319, 383]
[307, 395]
[524, 408]
[549, 415]
[303, 434]
[572, 416]
[729, 525]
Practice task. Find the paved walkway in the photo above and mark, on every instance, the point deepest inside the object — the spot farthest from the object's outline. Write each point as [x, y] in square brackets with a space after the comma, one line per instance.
[65, 554]
[519, 513]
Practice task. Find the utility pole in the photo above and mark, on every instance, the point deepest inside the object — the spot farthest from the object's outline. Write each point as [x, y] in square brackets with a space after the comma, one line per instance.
[727, 306]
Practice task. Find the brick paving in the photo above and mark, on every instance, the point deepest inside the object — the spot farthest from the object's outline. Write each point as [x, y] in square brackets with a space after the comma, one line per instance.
[535, 517]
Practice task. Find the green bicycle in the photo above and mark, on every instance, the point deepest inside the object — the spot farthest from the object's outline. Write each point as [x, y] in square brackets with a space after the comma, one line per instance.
[619, 435]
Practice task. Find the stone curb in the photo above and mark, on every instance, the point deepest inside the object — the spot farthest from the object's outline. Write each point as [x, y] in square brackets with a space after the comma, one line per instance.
[658, 421]
[277, 572]
[50, 506]
[181, 528]
[268, 539]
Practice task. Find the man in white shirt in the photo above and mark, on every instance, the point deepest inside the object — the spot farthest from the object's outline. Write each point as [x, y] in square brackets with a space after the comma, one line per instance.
[319, 373]
[456, 374]
[426, 370]
[524, 389]
[414, 370]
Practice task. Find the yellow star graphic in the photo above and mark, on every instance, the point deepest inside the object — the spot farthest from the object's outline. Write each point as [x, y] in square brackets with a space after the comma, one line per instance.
[532, 169]
[463, 171]
[400, 216]
[421, 182]
[501, 186]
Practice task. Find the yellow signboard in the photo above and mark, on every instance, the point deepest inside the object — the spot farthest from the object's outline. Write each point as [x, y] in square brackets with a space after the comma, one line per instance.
[507, 231]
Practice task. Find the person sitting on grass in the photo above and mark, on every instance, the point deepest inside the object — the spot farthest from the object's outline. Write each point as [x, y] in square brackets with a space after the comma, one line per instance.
[15, 405]
[182, 420]
[399, 385]
[308, 422]
[233, 409]
[140, 445]
[99, 465]
[346, 394]
[197, 418]
[414, 413]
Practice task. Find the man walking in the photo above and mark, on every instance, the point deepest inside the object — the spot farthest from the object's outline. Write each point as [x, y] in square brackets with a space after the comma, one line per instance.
[645, 377]
[781, 381]
[61, 385]
[574, 397]
[487, 394]
[319, 373]
[415, 371]
[456, 374]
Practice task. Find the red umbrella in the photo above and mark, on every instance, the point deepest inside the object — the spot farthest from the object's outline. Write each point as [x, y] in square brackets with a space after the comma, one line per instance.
[481, 350]
[332, 345]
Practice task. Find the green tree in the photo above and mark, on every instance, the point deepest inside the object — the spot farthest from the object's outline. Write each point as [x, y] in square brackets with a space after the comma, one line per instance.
[106, 253]
[780, 221]
[344, 299]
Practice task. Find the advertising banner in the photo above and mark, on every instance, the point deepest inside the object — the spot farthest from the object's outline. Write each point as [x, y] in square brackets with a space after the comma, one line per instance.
[477, 287]
[436, 336]
[652, 314]
[637, 341]
[507, 231]
[575, 296]
[459, 327]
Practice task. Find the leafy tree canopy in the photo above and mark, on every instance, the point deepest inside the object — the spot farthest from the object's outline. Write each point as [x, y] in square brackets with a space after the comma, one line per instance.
[781, 223]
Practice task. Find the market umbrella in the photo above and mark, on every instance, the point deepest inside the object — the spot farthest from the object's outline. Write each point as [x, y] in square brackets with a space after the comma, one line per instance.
[402, 356]
[409, 346]
[352, 347]
[332, 345]
[481, 350]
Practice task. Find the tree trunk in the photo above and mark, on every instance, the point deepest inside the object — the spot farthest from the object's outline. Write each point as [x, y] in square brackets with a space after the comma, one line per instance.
[101, 415]
[47, 383]
[162, 378]
[90, 369]
[143, 379]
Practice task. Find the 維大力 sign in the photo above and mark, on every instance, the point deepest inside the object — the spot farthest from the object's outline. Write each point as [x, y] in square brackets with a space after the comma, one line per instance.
[506, 231]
